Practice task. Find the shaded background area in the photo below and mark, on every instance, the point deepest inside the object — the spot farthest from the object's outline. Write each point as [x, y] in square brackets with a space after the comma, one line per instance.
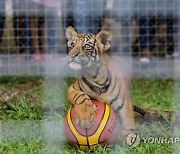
[146, 32]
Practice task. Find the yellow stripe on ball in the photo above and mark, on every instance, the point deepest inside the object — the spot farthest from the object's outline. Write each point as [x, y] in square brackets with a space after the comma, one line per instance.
[81, 139]
[92, 140]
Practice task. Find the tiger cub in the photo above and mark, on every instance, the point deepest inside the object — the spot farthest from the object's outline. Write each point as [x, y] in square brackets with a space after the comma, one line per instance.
[87, 54]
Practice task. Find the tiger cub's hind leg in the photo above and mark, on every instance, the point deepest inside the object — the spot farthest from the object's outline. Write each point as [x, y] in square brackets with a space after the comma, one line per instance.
[125, 115]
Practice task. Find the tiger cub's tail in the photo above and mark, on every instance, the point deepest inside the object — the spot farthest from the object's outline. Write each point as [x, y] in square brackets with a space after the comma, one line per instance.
[139, 110]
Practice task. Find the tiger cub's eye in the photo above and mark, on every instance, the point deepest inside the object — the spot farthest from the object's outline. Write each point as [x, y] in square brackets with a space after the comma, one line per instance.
[87, 46]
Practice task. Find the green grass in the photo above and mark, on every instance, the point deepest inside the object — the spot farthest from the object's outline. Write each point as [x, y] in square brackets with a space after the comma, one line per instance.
[33, 101]
[154, 94]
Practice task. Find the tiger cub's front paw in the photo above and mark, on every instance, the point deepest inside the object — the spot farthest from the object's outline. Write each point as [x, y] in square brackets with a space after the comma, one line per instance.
[85, 114]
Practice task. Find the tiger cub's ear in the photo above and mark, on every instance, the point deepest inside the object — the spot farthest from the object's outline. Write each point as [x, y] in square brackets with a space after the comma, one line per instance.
[105, 38]
[70, 33]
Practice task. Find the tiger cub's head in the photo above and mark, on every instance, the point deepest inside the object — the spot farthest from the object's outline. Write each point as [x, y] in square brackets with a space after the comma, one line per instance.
[84, 50]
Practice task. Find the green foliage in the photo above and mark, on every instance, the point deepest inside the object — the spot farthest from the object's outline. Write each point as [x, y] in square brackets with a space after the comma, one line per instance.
[40, 100]
[154, 94]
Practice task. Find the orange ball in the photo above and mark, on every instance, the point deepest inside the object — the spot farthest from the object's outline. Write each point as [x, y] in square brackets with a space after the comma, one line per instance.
[104, 131]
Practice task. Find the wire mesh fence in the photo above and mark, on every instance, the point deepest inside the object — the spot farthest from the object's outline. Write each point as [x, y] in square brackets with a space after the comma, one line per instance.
[32, 42]
[33, 31]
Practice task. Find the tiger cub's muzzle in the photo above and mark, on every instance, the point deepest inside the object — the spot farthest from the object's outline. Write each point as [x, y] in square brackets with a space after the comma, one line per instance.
[77, 62]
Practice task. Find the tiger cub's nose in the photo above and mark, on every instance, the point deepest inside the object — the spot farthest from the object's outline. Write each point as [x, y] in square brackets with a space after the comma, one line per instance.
[69, 59]
[72, 56]
[75, 55]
